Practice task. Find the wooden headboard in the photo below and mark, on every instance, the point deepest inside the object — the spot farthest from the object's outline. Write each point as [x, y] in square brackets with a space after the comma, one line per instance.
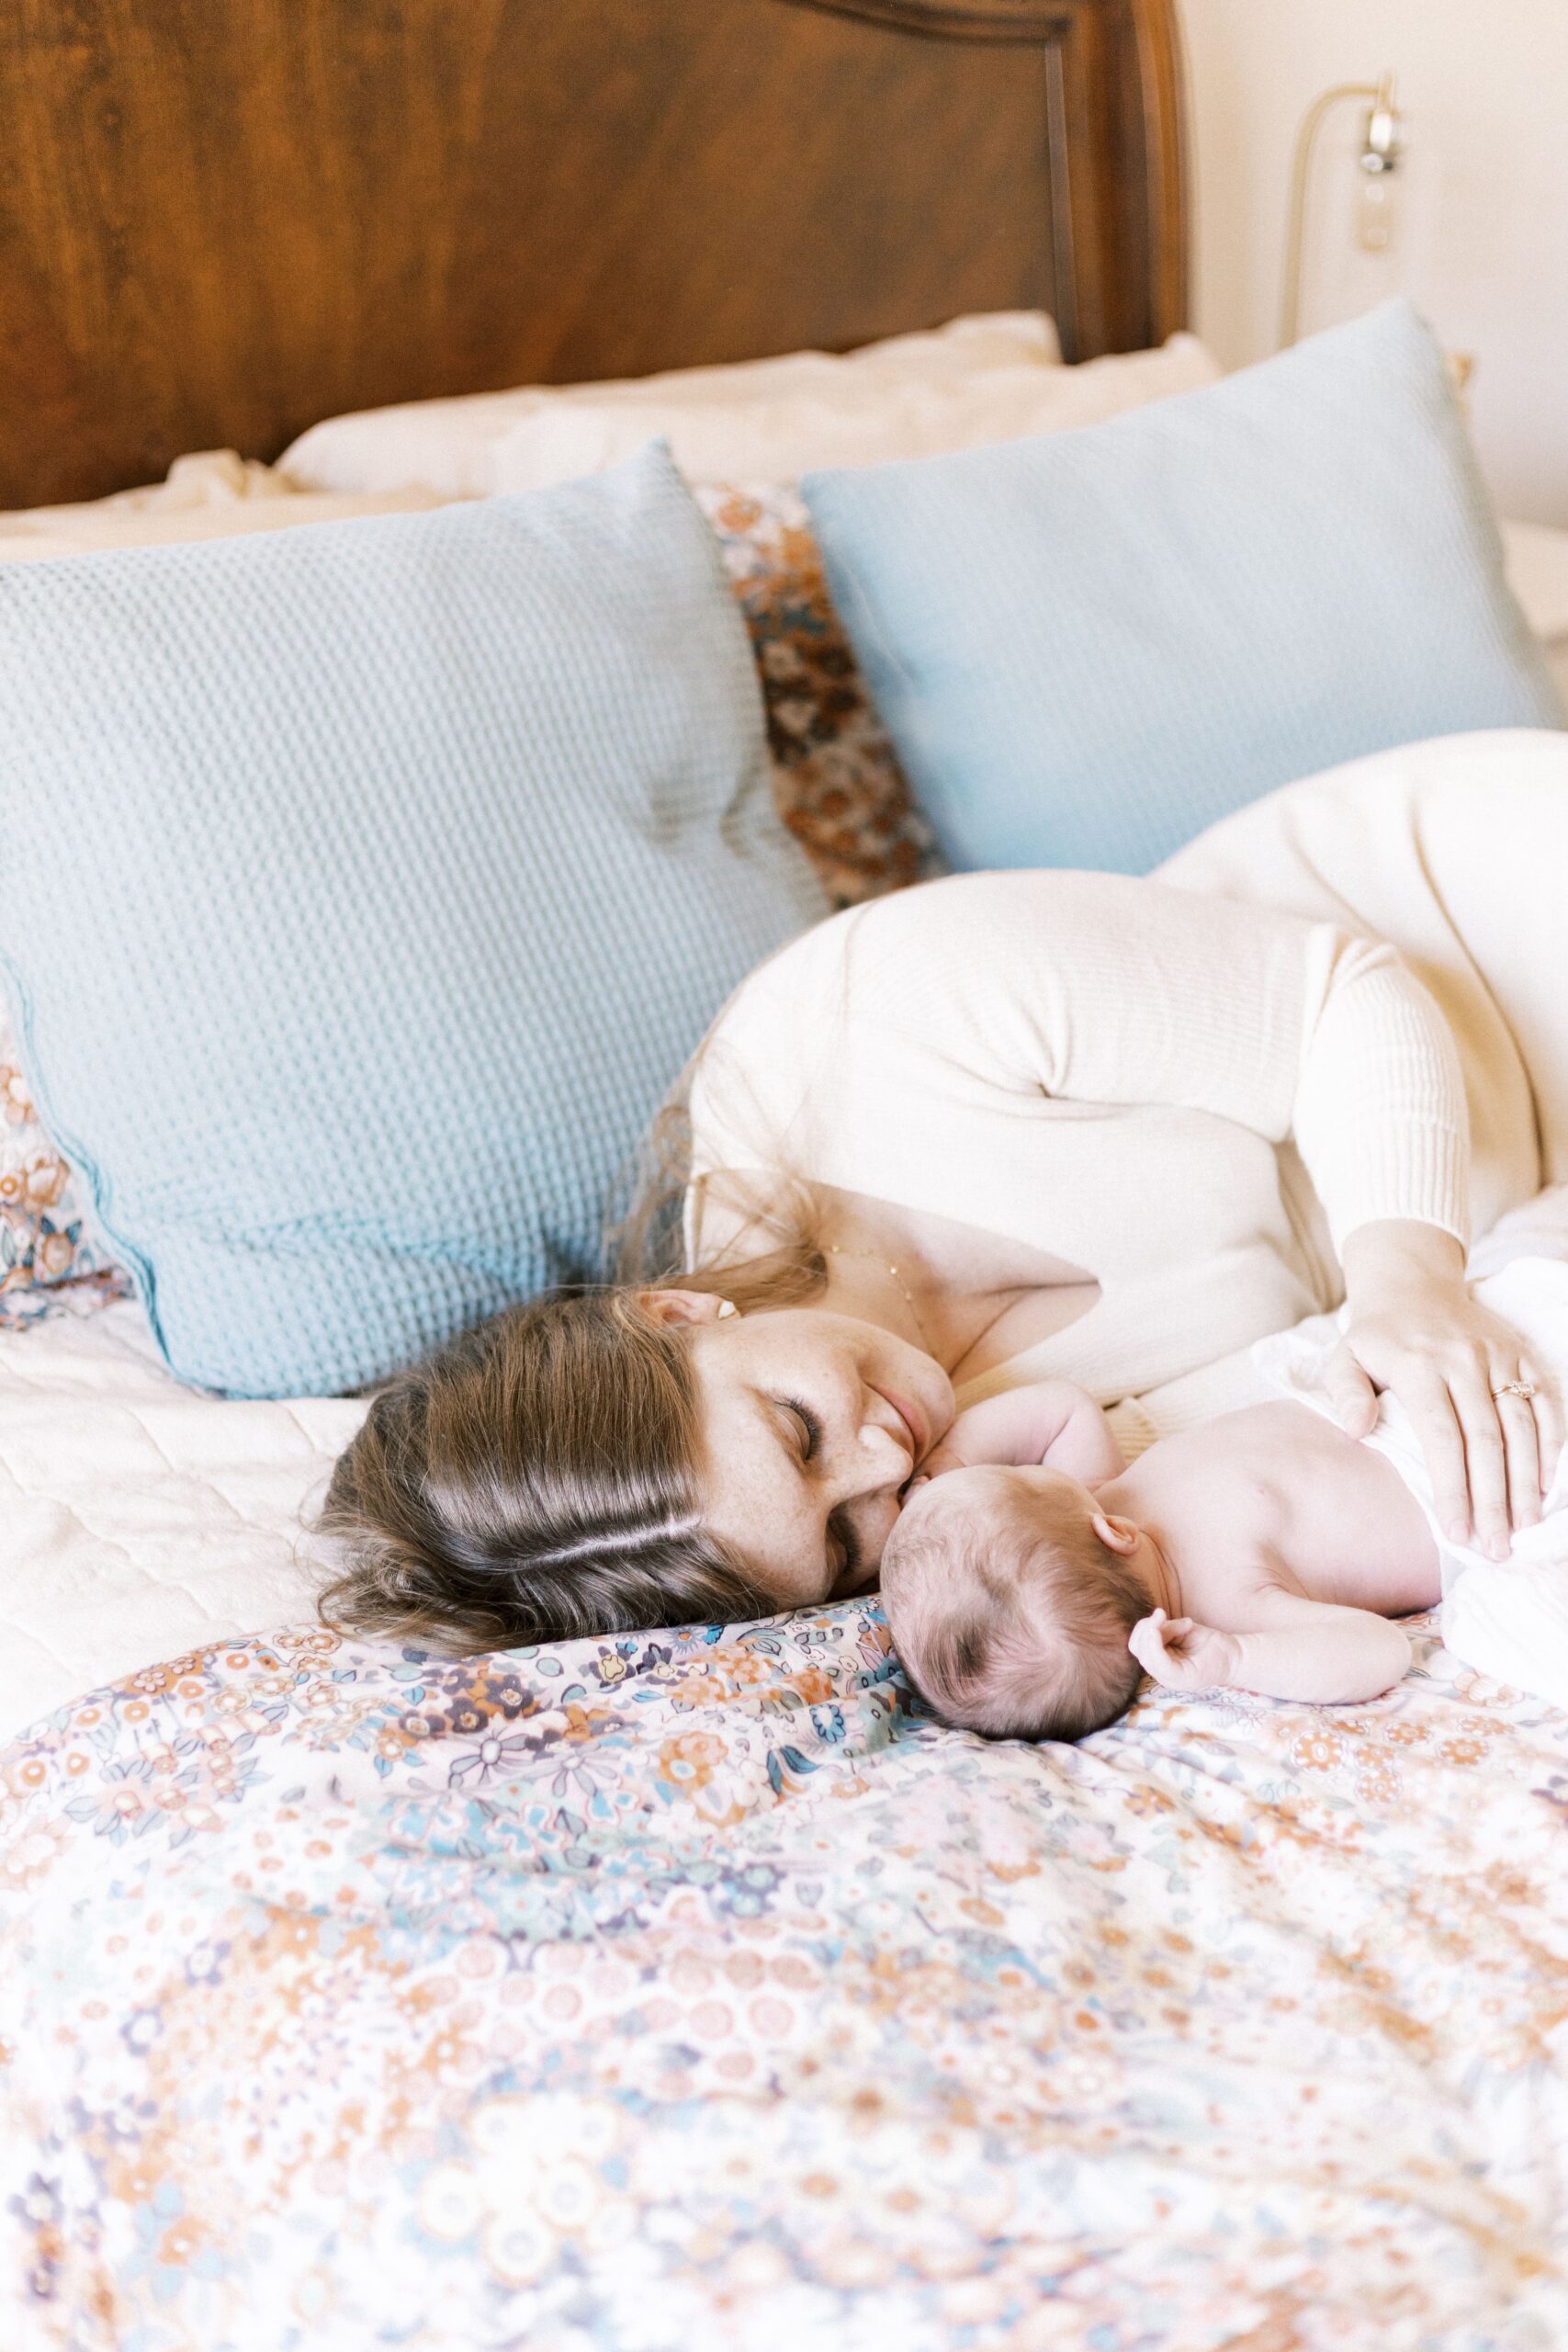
[221, 219]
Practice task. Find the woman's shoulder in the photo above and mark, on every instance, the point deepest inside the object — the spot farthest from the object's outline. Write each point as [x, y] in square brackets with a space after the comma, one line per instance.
[967, 910]
[947, 949]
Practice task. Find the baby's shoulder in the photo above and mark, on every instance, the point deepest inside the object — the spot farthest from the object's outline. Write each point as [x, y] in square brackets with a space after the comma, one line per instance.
[1259, 1445]
[1232, 1493]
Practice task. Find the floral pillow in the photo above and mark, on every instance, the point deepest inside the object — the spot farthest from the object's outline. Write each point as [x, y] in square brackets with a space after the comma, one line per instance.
[838, 787]
[47, 1256]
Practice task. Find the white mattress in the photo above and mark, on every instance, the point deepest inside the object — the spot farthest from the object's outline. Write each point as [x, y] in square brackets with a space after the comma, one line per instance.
[140, 1519]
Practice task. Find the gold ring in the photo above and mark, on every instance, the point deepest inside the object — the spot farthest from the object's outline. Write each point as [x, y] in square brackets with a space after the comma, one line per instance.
[1525, 1388]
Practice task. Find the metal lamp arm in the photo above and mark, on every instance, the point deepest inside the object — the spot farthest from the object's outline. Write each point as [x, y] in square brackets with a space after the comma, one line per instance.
[1381, 95]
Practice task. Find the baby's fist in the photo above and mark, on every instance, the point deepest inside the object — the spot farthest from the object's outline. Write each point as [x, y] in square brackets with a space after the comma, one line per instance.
[1182, 1654]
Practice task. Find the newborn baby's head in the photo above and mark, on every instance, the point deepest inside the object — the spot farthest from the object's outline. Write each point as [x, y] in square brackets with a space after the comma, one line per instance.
[1009, 1613]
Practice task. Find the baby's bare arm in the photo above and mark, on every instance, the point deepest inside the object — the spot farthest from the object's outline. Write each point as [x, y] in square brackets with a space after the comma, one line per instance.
[1312, 1650]
[1051, 1421]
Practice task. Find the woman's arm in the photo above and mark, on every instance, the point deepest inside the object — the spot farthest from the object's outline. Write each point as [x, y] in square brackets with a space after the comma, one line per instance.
[1296, 1028]
[1103, 990]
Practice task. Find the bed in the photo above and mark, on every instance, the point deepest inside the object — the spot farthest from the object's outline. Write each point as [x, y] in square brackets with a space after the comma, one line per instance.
[687, 1989]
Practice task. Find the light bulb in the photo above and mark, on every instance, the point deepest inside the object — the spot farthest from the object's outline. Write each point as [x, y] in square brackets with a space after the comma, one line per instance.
[1376, 215]
[1377, 198]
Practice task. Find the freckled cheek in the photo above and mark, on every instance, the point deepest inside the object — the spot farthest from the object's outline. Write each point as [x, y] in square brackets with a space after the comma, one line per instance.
[879, 1527]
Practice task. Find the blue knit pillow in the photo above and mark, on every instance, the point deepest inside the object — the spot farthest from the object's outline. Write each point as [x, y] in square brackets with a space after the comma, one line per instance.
[1086, 648]
[419, 853]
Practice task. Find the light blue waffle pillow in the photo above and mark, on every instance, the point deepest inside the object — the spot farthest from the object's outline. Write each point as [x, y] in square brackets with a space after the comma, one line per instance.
[364, 887]
[1087, 647]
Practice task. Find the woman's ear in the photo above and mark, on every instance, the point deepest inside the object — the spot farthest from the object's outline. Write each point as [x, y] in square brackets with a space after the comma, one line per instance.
[1116, 1535]
[682, 1305]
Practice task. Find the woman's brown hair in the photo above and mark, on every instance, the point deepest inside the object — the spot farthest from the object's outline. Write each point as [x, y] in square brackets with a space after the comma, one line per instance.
[538, 1480]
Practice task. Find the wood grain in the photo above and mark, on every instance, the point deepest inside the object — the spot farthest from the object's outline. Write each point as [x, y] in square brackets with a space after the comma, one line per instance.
[220, 222]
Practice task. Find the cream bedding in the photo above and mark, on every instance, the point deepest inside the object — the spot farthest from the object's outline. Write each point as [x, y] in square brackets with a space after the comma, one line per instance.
[140, 1519]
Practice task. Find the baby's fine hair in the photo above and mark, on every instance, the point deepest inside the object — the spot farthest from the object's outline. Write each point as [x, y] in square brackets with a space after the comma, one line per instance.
[1010, 1628]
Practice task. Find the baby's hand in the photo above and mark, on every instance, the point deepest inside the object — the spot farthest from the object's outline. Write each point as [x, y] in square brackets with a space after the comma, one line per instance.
[942, 1456]
[1182, 1654]
[1050, 1422]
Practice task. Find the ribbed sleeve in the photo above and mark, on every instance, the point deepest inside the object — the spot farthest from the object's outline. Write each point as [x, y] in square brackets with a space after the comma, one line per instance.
[1104, 1071]
[1379, 1112]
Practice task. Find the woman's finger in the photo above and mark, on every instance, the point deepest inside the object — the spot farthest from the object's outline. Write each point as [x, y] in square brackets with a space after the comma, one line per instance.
[1547, 1407]
[1485, 1462]
[1350, 1392]
[1517, 1416]
[1435, 1424]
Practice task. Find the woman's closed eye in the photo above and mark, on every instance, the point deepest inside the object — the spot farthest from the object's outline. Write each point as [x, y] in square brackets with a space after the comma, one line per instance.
[843, 1543]
[810, 1429]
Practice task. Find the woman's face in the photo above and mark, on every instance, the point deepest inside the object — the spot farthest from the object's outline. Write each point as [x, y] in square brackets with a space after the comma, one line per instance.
[812, 1425]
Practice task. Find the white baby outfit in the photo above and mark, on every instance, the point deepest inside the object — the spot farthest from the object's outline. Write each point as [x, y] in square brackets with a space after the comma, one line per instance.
[1507, 1619]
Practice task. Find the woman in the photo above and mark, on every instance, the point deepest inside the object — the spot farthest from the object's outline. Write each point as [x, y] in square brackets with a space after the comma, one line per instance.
[1011, 1125]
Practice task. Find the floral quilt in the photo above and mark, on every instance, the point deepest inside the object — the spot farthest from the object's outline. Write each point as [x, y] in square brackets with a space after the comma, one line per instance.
[692, 1991]
[50, 1261]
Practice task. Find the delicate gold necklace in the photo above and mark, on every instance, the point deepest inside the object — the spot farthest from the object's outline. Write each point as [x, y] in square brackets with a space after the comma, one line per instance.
[888, 1267]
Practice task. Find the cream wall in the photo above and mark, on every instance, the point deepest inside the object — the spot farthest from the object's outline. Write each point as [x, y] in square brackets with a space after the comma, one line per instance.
[1483, 239]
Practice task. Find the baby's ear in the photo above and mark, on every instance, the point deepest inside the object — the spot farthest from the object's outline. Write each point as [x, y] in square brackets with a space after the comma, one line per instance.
[1116, 1535]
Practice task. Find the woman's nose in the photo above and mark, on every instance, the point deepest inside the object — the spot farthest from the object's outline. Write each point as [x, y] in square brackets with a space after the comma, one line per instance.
[884, 1464]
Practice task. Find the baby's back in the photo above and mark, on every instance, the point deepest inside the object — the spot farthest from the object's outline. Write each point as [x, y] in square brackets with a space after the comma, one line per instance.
[1277, 1493]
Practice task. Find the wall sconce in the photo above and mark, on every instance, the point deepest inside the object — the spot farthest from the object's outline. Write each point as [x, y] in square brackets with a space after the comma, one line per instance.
[1380, 153]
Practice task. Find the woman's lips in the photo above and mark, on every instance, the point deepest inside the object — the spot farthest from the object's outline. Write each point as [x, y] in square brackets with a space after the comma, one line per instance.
[914, 1421]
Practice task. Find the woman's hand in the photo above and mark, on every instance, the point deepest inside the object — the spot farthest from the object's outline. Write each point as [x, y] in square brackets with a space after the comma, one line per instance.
[1413, 1327]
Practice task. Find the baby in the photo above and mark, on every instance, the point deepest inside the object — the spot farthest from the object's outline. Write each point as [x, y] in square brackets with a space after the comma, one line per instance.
[1030, 1581]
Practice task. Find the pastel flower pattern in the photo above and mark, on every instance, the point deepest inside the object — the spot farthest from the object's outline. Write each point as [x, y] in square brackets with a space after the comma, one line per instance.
[49, 1260]
[693, 1993]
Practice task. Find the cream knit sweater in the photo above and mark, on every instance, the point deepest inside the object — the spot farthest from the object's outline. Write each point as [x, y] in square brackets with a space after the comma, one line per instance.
[1196, 1098]
[1107, 1070]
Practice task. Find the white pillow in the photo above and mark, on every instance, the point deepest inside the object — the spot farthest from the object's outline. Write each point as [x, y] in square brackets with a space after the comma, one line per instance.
[214, 494]
[448, 445]
[1537, 560]
[778, 439]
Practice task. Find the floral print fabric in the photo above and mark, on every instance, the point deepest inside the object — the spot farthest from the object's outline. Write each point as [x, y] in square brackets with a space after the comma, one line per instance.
[690, 1990]
[48, 1259]
[838, 784]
